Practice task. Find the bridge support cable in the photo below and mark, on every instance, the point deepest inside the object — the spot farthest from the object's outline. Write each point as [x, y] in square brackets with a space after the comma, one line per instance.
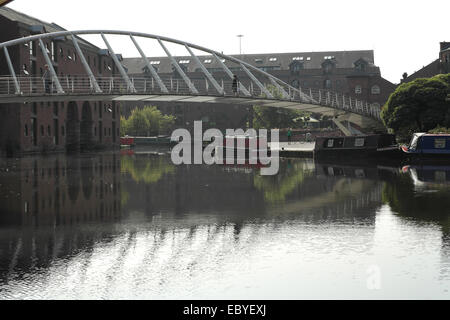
[280, 88]
[346, 131]
[11, 70]
[180, 71]
[258, 83]
[86, 65]
[230, 74]
[205, 71]
[55, 79]
[150, 67]
[119, 66]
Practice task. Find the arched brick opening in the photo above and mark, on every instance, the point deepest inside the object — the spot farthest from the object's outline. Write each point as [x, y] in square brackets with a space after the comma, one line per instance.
[86, 127]
[72, 127]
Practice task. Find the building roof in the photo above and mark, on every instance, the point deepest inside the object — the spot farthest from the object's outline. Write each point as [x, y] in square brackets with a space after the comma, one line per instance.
[14, 15]
[270, 61]
[3, 2]
[426, 72]
[17, 16]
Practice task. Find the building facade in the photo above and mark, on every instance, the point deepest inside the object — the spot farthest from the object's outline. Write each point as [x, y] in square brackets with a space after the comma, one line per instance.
[56, 126]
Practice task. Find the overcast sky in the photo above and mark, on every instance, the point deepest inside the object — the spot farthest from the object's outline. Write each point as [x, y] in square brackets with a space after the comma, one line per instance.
[404, 34]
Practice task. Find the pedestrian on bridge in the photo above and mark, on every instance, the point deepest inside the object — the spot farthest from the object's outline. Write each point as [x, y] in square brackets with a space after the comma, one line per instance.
[235, 85]
[47, 79]
[289, 135]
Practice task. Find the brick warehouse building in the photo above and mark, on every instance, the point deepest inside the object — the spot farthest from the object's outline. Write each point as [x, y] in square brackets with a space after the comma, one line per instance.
[45, 126]
[349, 72]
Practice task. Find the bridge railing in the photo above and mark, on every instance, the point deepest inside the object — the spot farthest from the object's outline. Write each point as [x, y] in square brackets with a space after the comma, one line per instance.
[83, 85]
[80, 85]
[344, 102]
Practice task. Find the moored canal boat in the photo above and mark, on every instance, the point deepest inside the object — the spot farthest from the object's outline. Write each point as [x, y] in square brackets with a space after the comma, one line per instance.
[377, 146]
[423, 146]
[129, 142]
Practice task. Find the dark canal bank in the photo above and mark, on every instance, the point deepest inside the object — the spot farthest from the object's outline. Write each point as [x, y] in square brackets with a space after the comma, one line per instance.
[106, 226]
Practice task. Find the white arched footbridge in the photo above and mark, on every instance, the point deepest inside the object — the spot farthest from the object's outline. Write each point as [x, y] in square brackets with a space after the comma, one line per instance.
[256, 88]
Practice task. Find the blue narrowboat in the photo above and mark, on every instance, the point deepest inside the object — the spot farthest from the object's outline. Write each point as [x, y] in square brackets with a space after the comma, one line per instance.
[425, 146]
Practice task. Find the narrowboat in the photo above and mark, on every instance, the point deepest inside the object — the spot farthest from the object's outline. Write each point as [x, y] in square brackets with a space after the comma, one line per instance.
[377, 146]
[127, 142]
[424, 146]
[151, 141]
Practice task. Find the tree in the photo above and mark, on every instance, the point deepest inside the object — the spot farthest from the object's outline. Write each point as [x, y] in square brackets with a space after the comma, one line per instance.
[139, 124]
[153, 116]
[166, 124]
[418, 106]
[124, 126]
[146, 122]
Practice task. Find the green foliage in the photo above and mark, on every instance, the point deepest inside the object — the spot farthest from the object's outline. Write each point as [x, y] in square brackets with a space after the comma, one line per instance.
[418, 106]
[440, 129]
[146, 170]
[147, 121]
[124, 126]
[268, 117]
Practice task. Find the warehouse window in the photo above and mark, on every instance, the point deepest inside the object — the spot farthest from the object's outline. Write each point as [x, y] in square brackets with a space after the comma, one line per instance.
[376, 90]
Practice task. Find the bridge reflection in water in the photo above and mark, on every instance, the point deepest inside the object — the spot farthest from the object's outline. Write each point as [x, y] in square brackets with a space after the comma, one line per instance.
[106, 226]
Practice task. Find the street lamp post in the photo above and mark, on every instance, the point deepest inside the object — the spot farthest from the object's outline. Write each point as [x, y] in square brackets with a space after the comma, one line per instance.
[240, 43]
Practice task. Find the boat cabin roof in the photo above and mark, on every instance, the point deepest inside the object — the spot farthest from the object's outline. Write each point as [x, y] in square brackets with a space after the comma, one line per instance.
[446, 135]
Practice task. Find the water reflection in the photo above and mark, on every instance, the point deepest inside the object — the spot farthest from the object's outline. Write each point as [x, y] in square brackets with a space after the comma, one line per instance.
[136, 226]
[421, 193]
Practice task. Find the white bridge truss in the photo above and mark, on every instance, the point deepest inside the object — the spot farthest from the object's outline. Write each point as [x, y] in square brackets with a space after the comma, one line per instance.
[256, 88]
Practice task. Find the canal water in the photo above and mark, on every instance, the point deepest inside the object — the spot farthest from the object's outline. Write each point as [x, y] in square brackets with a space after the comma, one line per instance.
[112, 226]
